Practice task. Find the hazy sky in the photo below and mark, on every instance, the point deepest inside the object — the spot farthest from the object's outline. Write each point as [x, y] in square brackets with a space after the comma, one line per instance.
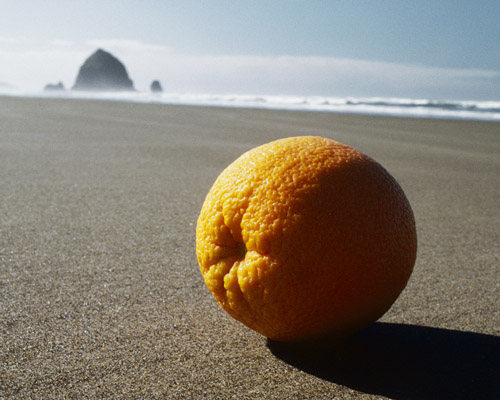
[441, 49]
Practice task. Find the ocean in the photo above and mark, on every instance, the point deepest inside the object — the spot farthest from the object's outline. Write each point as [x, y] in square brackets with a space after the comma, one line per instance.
[403, 107]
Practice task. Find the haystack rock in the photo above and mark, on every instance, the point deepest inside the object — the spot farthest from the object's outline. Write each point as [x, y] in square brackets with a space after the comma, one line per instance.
[103, 71]
[156, 87]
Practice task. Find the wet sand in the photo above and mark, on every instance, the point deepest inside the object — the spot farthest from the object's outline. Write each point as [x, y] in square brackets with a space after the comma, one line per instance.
[100, 293]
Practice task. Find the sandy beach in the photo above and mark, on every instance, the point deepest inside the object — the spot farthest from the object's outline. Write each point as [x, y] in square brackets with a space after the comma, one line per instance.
[100, 291]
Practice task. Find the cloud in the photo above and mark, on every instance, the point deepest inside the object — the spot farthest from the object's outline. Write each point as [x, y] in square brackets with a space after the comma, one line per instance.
[314, 76]
[62, 43]
[128, 45]
[31, 64]
[8, 40]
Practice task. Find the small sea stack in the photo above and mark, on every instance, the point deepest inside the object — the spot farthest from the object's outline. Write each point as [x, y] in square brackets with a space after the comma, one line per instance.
[156, 87]
[54, 87]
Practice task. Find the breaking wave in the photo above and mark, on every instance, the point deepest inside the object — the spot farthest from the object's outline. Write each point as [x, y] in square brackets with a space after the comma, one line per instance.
[404, 107]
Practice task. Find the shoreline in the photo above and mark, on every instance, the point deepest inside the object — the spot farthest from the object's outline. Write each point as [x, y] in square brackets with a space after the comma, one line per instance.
[398, 108]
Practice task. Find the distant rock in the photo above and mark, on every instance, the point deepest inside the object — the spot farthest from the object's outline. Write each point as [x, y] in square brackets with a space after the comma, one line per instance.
[54, 87]
[103, 72]
[156, 87]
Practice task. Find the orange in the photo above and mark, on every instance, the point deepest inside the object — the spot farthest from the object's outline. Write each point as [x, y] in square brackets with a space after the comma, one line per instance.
[306, 237]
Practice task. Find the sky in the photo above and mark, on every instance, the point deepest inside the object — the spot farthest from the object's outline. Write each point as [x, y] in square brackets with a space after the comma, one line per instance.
[446, 49]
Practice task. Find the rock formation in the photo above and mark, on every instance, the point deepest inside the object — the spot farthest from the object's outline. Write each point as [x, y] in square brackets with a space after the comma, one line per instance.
[54, 87]
[156, 87]
[103, 72]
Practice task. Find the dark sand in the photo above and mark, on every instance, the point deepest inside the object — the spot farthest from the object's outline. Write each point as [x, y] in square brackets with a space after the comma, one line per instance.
[100, 292]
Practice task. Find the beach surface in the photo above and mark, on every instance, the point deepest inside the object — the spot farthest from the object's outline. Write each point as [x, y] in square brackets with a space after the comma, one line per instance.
[100, 291]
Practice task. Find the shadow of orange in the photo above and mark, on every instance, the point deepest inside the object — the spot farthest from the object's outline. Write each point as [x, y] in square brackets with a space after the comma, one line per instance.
[404, 362]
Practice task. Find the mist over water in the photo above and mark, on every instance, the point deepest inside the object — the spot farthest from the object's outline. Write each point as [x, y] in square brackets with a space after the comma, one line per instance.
[404, 107]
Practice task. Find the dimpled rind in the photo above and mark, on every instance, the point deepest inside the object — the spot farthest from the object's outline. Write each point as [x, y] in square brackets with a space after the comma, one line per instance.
[305, 237]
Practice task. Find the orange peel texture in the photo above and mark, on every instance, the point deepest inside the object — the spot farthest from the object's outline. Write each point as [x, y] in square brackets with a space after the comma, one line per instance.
[305, 237]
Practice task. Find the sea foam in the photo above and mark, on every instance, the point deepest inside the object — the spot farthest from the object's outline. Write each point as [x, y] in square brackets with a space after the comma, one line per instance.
[404, 107]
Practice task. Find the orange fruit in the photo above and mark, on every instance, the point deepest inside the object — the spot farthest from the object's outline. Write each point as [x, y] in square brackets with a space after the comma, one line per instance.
[306, 237]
